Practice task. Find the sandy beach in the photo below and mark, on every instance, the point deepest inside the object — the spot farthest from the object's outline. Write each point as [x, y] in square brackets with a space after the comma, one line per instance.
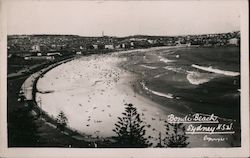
[92, 91]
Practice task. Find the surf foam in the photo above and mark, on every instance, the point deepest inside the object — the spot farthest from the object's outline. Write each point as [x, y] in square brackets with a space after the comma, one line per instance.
[218, 71]
[169, 95]
[149, 67]
[165, 60]
[197, 78]
[175, 69]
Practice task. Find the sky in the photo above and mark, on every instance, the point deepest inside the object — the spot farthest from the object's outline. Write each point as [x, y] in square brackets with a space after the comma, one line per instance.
[122, 18]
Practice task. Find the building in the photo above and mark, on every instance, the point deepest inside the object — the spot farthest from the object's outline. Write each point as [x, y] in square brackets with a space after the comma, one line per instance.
[182, 44]
[233, 41]
[95, 46]
[152, 41]
[39, 54]
[123, 45]
[109, 46]
[35, 48]
[118, 46]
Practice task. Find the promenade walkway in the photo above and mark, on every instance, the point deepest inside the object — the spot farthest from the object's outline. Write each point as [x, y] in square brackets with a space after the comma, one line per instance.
[28, 85]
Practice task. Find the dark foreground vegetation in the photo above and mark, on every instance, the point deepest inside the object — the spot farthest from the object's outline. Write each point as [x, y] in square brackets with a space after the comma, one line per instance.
[130, 132]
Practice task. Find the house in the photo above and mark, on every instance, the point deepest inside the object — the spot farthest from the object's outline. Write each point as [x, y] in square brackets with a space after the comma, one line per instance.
[35, 48]
[123, 45]
[109, 46]
[95, 46]
[152, 41]
[39, 54]
[118, 46]
[182, 44]
[233, 41]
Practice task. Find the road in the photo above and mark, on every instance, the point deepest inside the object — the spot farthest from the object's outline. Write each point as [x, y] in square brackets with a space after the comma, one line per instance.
[27, 130]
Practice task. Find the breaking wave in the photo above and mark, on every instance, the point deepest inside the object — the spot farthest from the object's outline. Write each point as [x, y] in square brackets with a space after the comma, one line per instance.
[165, 60]
[218, 71]
[169, 95]
[159, 75]
[197, 78]
[149, 67]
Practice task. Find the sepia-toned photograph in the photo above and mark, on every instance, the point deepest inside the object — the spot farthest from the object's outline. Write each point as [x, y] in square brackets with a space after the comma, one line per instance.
[125, 74]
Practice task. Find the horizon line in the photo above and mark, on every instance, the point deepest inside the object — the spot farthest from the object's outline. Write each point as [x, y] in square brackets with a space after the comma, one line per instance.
[121, 36]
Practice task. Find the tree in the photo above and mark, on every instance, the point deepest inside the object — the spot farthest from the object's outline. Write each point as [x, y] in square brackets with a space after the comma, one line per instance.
[175, 135]
[130, 130]
[62, 121]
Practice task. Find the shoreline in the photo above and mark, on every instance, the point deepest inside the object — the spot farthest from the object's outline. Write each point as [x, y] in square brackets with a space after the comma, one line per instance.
[127, 87]
[37, 110]
[45, 133]
[50, 122]
[164, 98]
[125, 95]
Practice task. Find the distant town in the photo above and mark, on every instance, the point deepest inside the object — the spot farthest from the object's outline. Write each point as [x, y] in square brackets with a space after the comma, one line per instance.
[30, 44]
[50, 47]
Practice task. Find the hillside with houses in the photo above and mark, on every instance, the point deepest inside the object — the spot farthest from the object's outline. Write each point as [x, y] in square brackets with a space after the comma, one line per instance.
[50, 46]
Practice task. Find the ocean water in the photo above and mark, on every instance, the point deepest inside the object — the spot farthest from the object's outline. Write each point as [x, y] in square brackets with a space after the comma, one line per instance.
[190, 80]
[92, 90]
